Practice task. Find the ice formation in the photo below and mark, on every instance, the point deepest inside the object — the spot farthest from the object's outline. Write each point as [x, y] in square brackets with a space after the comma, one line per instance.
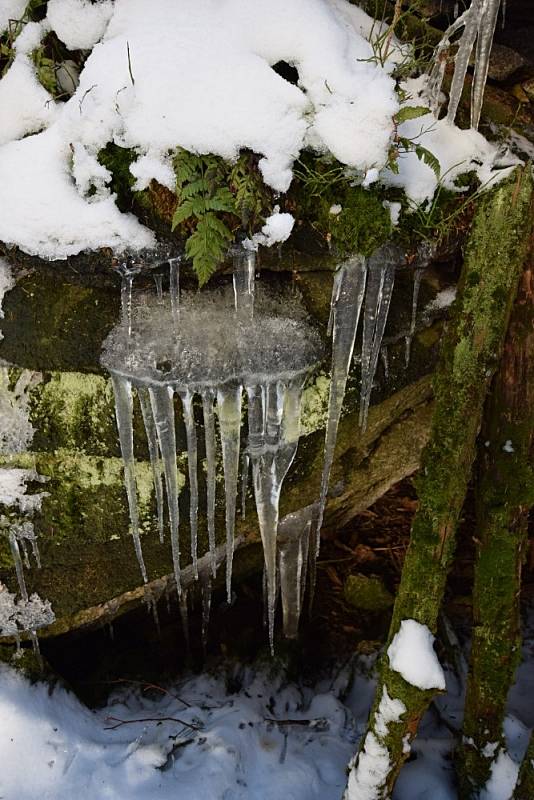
[478, 23]
[347, 298]
[380, 282]
[211, 351]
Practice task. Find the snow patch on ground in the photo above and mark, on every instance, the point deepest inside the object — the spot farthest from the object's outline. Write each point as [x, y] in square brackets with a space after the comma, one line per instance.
[412, 655]
[502, 780]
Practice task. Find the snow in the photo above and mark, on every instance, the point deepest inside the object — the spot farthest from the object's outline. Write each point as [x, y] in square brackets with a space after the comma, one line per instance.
[10, 10]
[276, 230]
[502, 779]
[7, 282]
[369, 776]
[412, 655]
[53, 747]
[20, 88]
[508, 446]
[13, 489]
[199, 75]
[42, 211]
[80, 24]
[443, 299]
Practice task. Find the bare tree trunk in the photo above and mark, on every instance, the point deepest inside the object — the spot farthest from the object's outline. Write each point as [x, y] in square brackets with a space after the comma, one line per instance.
[525, 783]
[470, 354]
[504, 495]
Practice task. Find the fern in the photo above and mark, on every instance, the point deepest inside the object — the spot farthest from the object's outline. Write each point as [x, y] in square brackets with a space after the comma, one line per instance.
[213, 197]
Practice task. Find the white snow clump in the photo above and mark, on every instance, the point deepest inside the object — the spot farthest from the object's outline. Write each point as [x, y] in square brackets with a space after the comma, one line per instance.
[412, 655]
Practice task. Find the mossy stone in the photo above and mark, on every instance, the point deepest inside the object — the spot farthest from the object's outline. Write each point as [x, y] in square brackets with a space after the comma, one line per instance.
[367, 592]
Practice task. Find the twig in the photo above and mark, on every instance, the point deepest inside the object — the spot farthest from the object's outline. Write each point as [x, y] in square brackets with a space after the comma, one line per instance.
[149, 719]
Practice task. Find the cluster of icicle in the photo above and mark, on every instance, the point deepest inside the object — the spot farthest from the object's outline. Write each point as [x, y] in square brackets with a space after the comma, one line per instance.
[273, 390]
[360, 283]
[30, 613]
[478, 23]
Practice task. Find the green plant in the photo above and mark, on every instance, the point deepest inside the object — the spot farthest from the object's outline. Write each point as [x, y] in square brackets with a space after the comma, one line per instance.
[215, 198]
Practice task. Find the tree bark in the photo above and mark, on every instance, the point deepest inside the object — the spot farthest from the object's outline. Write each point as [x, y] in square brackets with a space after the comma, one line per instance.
[470, 353]
[524, 789]
[504, 495]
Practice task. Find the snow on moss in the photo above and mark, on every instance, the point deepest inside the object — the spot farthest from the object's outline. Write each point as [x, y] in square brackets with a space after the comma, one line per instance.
[412, 655]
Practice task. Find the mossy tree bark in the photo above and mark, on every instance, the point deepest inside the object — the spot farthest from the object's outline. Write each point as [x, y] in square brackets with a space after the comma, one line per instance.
[470, 353]
[524, 789]
[504, 495]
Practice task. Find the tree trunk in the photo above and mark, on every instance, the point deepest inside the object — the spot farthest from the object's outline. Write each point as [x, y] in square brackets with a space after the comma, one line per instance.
[524, 789]
[470, 353]
[504, 494]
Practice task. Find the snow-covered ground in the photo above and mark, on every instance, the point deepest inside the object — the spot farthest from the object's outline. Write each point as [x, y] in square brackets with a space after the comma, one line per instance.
[238, 733]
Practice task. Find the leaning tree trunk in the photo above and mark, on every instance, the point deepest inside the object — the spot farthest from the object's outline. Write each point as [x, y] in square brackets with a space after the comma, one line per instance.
[470, 353]
[524, 789]
[504, 495]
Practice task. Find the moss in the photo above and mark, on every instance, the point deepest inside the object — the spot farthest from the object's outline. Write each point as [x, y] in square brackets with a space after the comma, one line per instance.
[367, 593]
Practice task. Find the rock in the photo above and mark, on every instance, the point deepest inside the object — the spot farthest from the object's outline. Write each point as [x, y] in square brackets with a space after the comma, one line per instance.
[528, 88]
[367, 593]
[504, 62]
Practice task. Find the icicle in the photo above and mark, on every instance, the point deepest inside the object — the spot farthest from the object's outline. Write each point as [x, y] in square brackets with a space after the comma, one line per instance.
[503, 11]
[19, 569]
[25, 553]
[152, 608]
[486, 31]
[174, 285]
[229, 413]
[269, 470]
[161, 398]
[122, 389]
[465, 46]
[111, 632]
[380, 281]
[347, 298]
[385, 360]
[158, 280]
[36, 648]
[206, 607]
[245, 469]
[153, 450]
[184, 615]
[208, 399]
[440, 60]
[35, 551]
[417, 278]
[293, 542]
[126, 300]
[244, 280]
[192, 459]
[256, 418]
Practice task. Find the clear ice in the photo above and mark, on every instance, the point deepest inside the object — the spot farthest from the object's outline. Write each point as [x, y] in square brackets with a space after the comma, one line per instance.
[241, 348]
[293, 546]
[380, 281]
[347, 298]
[478, 23]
